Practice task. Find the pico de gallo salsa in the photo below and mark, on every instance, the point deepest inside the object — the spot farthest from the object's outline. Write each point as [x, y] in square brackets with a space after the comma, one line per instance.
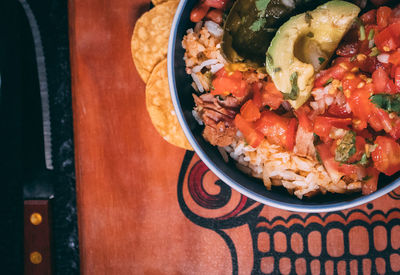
[357, 136]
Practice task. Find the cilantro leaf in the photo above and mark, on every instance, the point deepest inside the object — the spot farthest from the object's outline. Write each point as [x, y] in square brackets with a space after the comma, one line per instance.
[346, 147]
[294, 93]
[269, 61]
[261, 5]
[390, 103]
[258, 24]
[317, 139]
[321, 60]
[363, 161]
[318, 157]
[367, 177]
[329, 81]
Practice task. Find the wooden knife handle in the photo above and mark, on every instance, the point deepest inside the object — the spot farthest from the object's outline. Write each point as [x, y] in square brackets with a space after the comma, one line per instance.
[37, 237]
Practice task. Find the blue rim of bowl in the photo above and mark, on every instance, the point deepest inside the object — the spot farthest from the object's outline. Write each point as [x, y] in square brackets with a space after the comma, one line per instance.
[225, 178]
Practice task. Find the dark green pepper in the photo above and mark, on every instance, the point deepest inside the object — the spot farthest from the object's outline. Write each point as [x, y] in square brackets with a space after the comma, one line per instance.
[252, 24]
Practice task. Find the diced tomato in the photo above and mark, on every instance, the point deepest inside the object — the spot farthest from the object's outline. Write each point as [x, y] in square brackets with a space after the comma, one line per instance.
[395, 15]
[387, 67]
[229, 83]
[291, 134]
[395, 30]
[395, 133]
[278, 130]
[257, 100]
[380, 79]
[218, 4]
[397, 78]
[329, 162]
[324, 124]
[339, 110]
[370, 185]
[375, 123]
[338, 71]
[250, 111]
[391, 87]
[252, 136]
[386, 156]
[369, 17]
[360, 150]
[394, 57]
[271, 96]
[304, 121]
[385, 42]
[350, 82]
[380, 120]
[389, 38]
[221, 73]
[335, 169]
[358, 98]
[382, 17]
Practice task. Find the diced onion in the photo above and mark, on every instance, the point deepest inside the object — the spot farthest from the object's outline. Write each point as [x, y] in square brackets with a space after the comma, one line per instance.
[214, 28]
[197, 117]
[286, 105]
[197, 82]
[314, 105]
[329, 100]
[383, 58]
[348, 109]
[223, 153]
[208, 62]
[215, 68]
[288, 3]
[371, 44]
[198, 26]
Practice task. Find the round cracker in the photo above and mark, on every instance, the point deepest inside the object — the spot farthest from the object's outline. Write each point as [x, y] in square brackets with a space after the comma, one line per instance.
[160, 108]
[149, 43]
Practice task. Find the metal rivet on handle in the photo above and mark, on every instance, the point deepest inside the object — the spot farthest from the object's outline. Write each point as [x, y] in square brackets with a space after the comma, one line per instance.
[35, 257]
[36, 218]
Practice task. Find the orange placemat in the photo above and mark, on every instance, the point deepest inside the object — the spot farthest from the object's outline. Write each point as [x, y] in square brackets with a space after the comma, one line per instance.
[146, 207]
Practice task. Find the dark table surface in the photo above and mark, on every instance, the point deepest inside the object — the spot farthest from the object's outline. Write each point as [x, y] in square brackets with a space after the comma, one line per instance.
[22, 160]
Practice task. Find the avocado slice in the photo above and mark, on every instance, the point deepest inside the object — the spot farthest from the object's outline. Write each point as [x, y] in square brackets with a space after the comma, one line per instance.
[303, 46]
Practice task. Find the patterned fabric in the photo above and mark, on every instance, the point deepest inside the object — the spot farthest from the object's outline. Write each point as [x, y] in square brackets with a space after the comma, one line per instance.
[362, 240]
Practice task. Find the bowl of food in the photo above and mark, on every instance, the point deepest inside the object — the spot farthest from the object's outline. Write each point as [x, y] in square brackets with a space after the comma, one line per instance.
[295, 104]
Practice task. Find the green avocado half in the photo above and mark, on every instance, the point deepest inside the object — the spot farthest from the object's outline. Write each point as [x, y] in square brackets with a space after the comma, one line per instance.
[304, 44]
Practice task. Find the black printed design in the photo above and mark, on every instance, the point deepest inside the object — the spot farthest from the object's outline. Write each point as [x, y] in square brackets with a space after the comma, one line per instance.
[296, 245]
[395, 195]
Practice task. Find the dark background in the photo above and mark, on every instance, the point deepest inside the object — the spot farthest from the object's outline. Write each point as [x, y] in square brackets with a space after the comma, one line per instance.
[21, 138]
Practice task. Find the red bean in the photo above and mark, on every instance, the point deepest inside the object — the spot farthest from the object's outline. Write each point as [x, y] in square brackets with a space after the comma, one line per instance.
[218, 4]
[369, 17]
[348, 49]
[215, 15]
[379, 3]
[199, 12]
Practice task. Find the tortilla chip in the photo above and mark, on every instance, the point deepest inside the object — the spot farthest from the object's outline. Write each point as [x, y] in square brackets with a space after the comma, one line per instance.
[160, 107]
[149, 42]
[158, 2]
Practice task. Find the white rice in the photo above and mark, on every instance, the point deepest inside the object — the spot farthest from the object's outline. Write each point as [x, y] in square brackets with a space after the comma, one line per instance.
[276, 166]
